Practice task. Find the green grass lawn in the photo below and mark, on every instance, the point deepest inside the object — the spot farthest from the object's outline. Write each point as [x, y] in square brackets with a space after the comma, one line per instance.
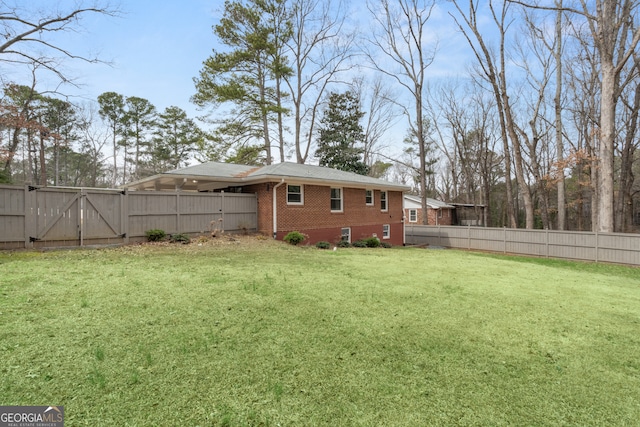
[261, 333]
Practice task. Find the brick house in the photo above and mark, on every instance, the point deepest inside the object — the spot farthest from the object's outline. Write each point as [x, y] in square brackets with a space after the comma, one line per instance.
[438, 213]
[323, 203]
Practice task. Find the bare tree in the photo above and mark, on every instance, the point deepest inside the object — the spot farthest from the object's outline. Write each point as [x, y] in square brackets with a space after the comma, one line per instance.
[628, 118]
[93, 140]
[557, 100]
[466, 127]
[615, 34]
[379, 105]
[493, 70]
[320, 50]
[28, 33]
[583, 89]
[400, 50]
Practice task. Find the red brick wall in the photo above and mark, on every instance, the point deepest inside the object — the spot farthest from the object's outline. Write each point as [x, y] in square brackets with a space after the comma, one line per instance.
[447, 216]
[316, 220]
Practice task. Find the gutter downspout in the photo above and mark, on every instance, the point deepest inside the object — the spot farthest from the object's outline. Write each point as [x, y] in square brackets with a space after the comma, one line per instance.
[275, 208]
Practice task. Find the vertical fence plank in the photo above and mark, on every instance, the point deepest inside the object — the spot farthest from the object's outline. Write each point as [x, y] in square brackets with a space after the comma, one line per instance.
[49, 216]
[621, 248]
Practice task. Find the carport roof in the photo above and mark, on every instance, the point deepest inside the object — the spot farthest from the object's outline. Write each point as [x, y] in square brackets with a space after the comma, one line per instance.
[213, 176]
[416, 202]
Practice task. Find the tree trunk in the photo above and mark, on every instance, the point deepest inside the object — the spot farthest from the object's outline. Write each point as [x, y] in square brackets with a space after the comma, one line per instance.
[43, 163]
[560, 179]
[605, 223]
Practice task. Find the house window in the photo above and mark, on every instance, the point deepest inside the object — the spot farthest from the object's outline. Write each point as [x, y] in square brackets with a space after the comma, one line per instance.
[383, 201]
[439, 213]
[295, 195]
[386, 233]
[346, 234]
[413, 215]
[336, 200]
[369, 197]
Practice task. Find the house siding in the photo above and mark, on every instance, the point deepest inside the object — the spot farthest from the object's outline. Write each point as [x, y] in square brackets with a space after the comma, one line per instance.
[315, 218]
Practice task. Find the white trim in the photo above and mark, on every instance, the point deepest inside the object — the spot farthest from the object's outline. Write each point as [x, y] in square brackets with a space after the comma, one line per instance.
[415, 211]
[301, 202]
[386, 201]
[348, 234]
[373, 198]
[341, 200]
[388, 227]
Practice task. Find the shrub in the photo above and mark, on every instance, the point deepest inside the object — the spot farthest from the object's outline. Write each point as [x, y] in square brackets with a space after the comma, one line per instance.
[244, 227]
[385, 245]
[294, 237]
[372, 242]
[155, 235]
[359, 244]
[344, 244]
[180, 238]
[323, 245]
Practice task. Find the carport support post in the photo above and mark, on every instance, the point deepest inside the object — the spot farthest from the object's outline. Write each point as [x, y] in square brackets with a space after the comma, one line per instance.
[275, 208]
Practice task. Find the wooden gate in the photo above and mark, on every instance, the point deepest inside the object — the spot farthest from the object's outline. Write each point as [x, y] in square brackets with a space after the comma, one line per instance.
[39, 217]
[72, 217]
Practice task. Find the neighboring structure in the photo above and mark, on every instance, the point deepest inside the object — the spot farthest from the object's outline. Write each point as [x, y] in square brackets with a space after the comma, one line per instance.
[469, 214]
[323, 203]
[438, 213]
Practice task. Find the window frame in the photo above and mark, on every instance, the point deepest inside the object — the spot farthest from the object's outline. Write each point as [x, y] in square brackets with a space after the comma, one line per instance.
[347, 234]
[415, 215]
[384, 200]
[301, 202]
[386, 231]
[331, 199]
[369, 194]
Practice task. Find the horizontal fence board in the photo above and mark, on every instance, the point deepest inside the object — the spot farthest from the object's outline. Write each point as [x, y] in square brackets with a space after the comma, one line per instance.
[575, 245]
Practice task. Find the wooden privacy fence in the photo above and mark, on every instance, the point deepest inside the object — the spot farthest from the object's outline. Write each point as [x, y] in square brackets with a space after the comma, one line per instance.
[37, 217]
[576, 245]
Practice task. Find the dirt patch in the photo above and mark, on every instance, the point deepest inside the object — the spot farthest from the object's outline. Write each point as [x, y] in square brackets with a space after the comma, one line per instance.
[245, 240]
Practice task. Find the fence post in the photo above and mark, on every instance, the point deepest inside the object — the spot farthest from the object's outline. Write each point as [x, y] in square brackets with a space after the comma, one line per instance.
[81, 217]
[469, 237]
[547, 241]
[124, 215]
[597, 245]
[222, 208]
[30, 215]
[178, 230]
[504, 240]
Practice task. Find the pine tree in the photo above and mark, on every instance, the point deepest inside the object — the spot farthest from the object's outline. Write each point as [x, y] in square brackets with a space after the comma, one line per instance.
[341, 139]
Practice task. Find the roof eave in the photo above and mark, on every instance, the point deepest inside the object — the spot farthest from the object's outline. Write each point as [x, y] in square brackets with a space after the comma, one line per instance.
[326, 182]
[174, 181]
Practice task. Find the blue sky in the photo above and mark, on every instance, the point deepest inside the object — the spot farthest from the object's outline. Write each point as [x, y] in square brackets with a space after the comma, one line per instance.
[157, 47]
